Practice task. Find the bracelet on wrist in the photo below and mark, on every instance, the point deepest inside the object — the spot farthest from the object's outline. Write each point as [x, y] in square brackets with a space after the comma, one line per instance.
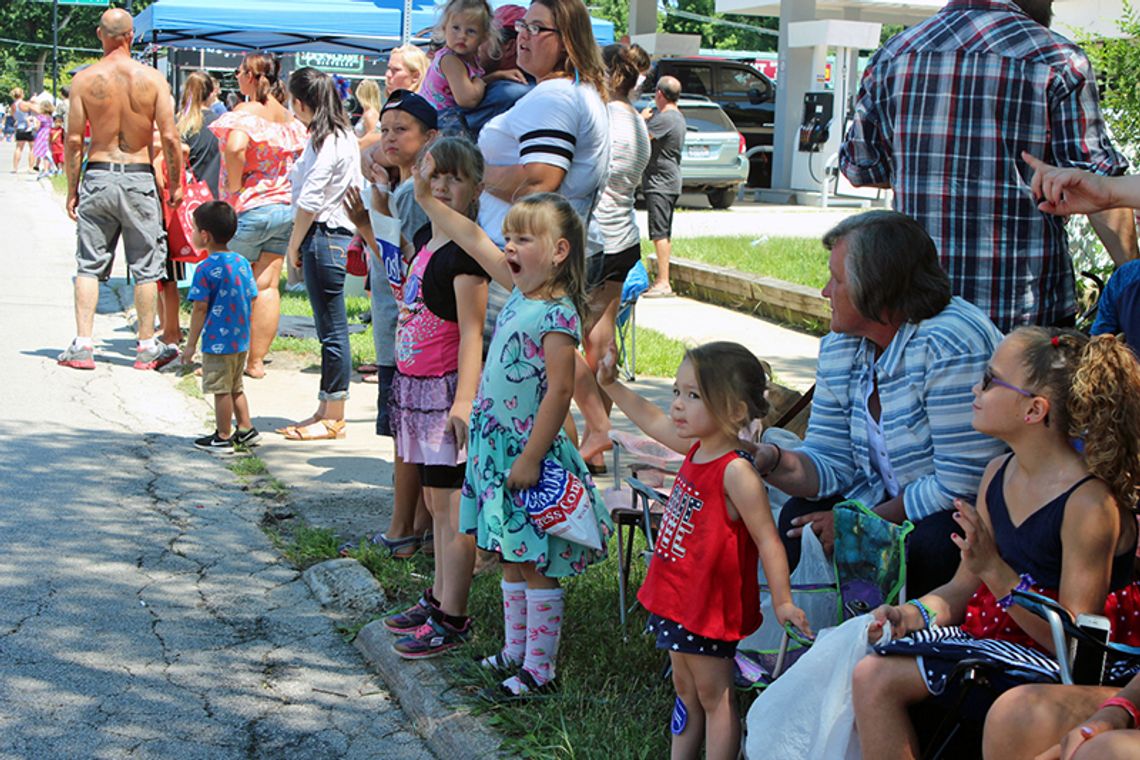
[1025, 583]
[928, 615]
[1126, 705]
[775, 465]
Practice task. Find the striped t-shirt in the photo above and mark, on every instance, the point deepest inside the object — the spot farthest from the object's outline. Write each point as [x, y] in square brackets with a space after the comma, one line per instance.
[925, 377]
[629, 154]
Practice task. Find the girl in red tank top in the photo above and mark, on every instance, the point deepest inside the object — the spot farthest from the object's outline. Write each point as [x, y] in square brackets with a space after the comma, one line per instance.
[701, 589]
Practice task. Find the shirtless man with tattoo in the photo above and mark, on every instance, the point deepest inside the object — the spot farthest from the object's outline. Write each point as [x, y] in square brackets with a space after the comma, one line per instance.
[124, 102]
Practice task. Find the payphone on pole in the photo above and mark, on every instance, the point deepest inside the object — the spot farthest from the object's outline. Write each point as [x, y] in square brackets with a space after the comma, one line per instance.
[835, 50]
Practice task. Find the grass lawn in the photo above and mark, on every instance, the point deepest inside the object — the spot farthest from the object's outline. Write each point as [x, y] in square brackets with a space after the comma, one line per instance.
[657, 354]
[613, 702]
[798, 260]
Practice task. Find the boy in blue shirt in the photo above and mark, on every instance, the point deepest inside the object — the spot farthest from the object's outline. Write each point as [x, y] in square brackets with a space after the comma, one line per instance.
[222, 290]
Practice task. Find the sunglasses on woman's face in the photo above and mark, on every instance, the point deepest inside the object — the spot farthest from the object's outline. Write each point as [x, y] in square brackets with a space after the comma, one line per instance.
[988, 380]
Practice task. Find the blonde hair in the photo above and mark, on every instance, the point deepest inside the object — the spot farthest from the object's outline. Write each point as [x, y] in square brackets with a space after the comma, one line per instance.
[1094, 387]
[550, 216]
[17, 93]
[459, 157]
[477, 9]
[368, 93]
[195, 92]
[731, 380]
[583, 59]
[415, 60]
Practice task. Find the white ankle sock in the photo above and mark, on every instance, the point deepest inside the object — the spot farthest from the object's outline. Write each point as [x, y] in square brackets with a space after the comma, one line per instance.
[147, 345]
[82, 343]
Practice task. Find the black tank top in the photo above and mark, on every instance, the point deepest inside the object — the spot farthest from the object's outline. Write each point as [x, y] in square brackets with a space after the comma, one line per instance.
[1034, 547]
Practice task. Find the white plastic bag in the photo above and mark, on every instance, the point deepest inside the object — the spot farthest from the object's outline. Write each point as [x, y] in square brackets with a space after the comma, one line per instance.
[813, 591]
[808, 712]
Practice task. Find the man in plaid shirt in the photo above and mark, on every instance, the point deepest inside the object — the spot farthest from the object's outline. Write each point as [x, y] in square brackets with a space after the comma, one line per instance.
[945, 110]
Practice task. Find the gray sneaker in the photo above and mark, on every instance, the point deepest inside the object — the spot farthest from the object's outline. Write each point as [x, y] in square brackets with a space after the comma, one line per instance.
[78, 358]
[157, 357]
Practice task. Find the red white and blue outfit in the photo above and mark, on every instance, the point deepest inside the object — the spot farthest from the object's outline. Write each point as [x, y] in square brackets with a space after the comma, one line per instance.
[702, 588]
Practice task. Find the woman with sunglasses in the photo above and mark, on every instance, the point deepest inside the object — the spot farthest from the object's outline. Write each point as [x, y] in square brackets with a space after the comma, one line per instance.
[260, 141]
[1054, 516]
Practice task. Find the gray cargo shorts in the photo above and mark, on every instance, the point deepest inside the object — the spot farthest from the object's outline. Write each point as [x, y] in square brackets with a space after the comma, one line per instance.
[114, 203]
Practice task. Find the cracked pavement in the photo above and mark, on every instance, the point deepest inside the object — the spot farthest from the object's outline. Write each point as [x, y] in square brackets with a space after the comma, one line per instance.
[143, 613]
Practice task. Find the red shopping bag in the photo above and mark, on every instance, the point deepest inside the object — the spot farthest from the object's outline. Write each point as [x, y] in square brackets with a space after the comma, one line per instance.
[178, 221]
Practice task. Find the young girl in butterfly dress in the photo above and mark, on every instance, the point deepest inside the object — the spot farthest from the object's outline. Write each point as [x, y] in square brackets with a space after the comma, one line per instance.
[439, 342]
[523, 399]
[702, 590]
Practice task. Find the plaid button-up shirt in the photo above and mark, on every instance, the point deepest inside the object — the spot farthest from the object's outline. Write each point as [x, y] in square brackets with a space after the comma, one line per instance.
[943, 113]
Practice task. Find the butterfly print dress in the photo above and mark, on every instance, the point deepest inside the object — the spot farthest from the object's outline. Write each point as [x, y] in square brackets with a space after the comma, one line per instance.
[510, 391]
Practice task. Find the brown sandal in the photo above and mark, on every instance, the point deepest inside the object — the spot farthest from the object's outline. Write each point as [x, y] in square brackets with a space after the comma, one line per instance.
[322, 430]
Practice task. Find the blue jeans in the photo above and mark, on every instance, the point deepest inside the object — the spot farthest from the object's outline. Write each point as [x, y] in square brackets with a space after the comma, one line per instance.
[323, 260]
[498, 98]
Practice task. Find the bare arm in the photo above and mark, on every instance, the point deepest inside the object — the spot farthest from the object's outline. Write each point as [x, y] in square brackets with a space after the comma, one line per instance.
[471, 300]
[302, 221]
[790, 471]
[559, 350]
[462, 231]
[73, 148]
[513, 182]
[642, 412]
[746, 494]
[171, 142]
[1116, 228]
[1065, 192]
[233, 153]
[468, 91]
[197, 322]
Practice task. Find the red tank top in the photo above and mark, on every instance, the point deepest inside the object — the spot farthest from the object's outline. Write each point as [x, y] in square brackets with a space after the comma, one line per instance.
[703, 572]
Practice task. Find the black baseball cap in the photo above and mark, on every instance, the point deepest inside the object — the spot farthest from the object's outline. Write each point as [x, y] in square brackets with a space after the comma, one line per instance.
[409, 102]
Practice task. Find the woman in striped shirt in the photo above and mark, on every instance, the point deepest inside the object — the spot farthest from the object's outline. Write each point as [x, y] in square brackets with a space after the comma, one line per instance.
[891, 417]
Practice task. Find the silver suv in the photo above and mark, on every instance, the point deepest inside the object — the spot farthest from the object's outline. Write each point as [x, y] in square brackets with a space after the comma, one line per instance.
[712, 160]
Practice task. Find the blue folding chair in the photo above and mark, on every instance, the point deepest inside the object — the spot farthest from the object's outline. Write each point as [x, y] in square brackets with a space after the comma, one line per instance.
[636, 283]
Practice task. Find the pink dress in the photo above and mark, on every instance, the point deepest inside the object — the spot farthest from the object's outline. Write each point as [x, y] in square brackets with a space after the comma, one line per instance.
[41, 148]
[273, 149]
[435, 88]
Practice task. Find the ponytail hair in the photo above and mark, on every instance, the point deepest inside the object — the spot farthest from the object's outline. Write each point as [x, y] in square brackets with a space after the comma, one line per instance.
[624, 66]
[551, 217]
[195, 92]
[732, 382]
[316, 90]
[1094, 387]
[265, 68]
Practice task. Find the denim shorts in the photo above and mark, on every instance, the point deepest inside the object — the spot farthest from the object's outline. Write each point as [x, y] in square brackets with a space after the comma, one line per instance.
[264, 229]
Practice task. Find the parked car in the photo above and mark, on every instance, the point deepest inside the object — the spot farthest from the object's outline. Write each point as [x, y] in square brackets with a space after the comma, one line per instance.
[745, 94]
[712, 159]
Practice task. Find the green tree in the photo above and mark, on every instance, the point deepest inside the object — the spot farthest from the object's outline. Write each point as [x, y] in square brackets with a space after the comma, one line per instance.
[27, 62]
[720, 36]
[1116, 62]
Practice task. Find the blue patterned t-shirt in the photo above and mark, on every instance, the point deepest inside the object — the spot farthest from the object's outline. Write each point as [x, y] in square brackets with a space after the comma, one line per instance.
[225, 282]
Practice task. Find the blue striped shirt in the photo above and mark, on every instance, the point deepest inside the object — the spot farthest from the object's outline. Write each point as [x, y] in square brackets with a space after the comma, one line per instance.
[925, 377]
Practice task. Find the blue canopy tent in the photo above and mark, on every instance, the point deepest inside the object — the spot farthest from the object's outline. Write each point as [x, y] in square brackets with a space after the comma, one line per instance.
[284, 26]
[603, 30]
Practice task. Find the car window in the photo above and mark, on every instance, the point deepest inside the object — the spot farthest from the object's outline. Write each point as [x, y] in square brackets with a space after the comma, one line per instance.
[738, 81]
[705, 119]
[695, 80]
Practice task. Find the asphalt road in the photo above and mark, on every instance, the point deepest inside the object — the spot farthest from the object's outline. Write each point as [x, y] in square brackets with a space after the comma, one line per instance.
[143, 612]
